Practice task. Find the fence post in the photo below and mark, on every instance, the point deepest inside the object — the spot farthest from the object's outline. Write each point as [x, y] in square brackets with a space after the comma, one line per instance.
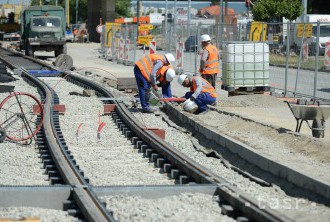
[317, 57]
[287, 57]
[299, 61]
[197, 48]
[135, 40]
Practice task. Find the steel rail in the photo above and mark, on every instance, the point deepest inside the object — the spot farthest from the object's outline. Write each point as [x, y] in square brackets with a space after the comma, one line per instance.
[243, 202]
[86, 199]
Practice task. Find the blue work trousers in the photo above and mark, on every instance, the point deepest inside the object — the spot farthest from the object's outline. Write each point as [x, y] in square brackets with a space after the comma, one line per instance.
[202, 100]
[166, 90]
[144, 88]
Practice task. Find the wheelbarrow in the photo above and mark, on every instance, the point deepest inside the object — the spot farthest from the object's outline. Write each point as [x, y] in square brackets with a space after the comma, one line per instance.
[315, 112]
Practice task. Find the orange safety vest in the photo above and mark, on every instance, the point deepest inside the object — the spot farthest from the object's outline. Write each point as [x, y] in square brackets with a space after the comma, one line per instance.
[212, 62]
[146, 63]
[207, 87]
[161, 74]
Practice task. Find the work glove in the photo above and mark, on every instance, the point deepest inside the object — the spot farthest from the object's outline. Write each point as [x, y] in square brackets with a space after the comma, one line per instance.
[192, 98]
[155, 87]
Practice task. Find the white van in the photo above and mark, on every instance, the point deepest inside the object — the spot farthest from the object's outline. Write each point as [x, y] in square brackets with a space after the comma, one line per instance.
[324, 33]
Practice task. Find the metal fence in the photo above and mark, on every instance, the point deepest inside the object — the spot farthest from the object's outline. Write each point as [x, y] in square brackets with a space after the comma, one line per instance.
[297, 63]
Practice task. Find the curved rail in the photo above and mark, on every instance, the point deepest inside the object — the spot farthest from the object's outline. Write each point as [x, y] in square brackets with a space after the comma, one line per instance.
[85, 198]
[83, 193]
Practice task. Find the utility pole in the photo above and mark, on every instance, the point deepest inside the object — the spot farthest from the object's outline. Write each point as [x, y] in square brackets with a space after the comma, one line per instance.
[305, 10]
[137, 16]
[166, 39]
[189, 17]
[77, 3]
[221, 23]
[67, 12]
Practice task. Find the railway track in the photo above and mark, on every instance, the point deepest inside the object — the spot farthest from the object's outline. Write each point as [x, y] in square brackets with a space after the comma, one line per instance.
[83, 200]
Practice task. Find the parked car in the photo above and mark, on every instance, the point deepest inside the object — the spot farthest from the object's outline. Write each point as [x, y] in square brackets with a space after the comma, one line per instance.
[69, 36]
[191, 44]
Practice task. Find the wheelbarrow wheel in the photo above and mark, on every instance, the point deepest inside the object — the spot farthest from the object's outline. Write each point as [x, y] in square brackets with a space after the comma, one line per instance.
[2, 135]
[318, 128]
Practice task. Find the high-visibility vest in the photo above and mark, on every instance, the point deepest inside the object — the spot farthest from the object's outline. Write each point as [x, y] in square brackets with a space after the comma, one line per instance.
[207, 87]
[212, 62]
[146, 63]
[161, 74]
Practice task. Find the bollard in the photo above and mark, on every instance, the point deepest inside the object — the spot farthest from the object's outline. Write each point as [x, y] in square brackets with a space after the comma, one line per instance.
[77, 132]
[152, 46]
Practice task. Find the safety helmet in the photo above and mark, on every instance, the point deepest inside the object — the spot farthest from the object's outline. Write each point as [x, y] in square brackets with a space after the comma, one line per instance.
[170, 58]
[181, 79]
[170, 74]
[205, 38]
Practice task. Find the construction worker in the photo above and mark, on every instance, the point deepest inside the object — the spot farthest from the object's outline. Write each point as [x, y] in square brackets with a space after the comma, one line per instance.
[209, 65]
[201, 92]
[164, 78]
[75, 34]
[145, 71]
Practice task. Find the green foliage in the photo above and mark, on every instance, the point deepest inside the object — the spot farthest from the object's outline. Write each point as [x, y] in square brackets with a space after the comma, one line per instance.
[215, 2]
[268, 10]
[122, 8]
[290, 9]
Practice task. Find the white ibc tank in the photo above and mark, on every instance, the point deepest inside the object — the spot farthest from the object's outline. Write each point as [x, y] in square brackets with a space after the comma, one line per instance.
[245, 64]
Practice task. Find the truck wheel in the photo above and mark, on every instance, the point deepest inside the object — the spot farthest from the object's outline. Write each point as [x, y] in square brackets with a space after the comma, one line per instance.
[29, 51]
[60, 50]
[3, 135]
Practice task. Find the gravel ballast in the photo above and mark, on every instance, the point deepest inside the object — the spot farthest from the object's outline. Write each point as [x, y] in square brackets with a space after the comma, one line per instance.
[112, 160]
[44, 215]
[183, 207]
[294, 207]
[20, 164]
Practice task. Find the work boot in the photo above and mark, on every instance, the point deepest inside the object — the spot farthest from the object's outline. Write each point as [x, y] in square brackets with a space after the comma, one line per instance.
[144, 110]
[204, 112]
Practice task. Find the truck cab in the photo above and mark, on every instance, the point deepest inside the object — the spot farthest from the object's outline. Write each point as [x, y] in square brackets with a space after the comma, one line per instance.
[43, 29]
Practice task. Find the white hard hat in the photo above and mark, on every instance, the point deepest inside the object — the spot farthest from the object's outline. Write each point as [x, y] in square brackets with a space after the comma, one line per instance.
[205, 38]
[170, 58]
[181, 79]
[170, 74]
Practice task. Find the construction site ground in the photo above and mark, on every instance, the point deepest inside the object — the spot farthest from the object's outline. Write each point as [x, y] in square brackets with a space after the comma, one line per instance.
[259, 108]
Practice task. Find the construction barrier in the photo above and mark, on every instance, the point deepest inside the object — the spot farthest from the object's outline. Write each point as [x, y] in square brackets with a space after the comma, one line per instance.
[305, 51]
[152, 47]
[121, 49]
[126, 50]
[327, 55]
[179, 56]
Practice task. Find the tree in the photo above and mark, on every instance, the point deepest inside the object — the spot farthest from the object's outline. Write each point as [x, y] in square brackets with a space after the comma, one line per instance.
[122, 8]
[273, 10]
[215, 2]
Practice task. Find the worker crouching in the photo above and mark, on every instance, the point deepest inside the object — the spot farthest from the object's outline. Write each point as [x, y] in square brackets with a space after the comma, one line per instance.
[201, 92]
[147, 71]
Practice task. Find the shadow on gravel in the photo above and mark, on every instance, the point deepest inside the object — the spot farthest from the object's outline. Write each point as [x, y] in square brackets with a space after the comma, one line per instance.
[327, 90]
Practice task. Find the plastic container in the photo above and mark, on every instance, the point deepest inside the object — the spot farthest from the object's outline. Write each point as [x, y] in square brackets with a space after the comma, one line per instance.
[245, 64]
[189, 106]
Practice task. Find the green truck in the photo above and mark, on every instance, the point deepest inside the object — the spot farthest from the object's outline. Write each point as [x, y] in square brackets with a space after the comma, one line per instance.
[43, 29]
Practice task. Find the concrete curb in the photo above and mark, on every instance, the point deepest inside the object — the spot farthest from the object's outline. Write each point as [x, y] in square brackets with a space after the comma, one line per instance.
[297, 177]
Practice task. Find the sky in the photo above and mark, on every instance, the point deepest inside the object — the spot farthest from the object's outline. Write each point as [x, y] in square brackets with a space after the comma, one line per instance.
[13, 1]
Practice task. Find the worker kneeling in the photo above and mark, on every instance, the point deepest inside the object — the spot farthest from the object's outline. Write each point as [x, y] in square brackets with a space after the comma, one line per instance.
[150, 69]
[201, 92]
